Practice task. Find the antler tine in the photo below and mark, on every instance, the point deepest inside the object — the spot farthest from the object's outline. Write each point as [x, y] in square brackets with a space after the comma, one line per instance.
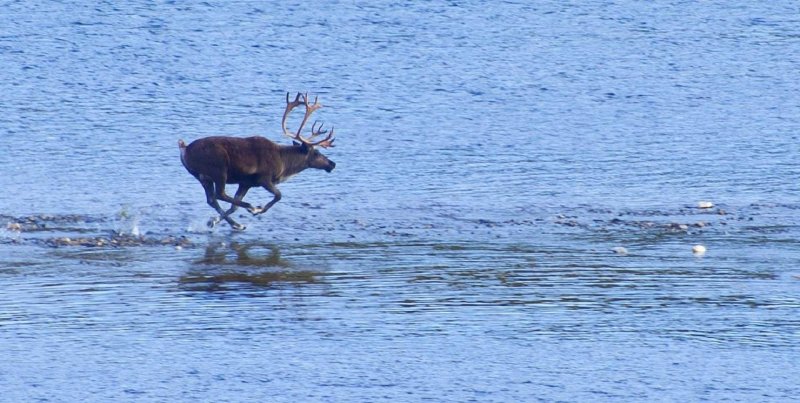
[327, 142]
[316, 131]
[310, 108]
[305, 99]
[289, 106]
[302, 99]
[298, 99]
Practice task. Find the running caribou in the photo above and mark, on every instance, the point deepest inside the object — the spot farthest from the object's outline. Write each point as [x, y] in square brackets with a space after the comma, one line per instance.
[255, 161]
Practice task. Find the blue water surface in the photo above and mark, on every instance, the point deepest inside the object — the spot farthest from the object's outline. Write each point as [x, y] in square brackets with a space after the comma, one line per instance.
[490, 155]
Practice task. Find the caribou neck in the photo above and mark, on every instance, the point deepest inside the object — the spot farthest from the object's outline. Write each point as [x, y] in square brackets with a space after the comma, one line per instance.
[294, 161]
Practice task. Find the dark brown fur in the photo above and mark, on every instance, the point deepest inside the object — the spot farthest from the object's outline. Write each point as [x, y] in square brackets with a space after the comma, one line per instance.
[248, 162]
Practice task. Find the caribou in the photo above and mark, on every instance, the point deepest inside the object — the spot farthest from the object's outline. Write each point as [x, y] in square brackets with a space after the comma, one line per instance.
[255, 161]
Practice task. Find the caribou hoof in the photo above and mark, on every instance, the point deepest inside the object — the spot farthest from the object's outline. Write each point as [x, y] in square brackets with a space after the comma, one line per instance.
[238, 227]
[256, 210]
[212, 222]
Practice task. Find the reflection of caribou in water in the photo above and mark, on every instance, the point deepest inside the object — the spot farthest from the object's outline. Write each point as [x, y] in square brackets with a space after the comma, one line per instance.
[220, 254]
[242, 263]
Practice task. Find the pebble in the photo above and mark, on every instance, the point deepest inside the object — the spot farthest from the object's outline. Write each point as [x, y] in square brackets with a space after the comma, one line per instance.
[699, 249]
[705, 204]
[119, 240]
[620, 250]
[677, 227]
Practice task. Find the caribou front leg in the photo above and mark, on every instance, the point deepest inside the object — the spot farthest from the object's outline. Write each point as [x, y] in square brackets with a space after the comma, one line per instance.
[277, 197]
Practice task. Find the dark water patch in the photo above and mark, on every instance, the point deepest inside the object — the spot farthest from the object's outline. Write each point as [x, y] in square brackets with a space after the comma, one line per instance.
[627, 226]
[118, 240]
[49, 222]
[81, 230]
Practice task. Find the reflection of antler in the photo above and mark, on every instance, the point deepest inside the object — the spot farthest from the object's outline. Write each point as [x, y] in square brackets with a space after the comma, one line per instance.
[302, 99]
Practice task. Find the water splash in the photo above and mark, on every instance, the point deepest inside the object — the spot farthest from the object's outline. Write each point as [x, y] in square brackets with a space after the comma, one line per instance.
[128, 221]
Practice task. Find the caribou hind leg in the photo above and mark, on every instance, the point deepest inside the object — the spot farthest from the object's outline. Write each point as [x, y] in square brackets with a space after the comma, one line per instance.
[240, 193]
[211, 199]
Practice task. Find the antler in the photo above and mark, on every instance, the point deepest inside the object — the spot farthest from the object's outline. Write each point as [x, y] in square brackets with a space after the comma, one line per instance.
[302, 99]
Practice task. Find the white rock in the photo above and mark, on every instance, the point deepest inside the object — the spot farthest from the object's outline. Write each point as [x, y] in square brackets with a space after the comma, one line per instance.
[699, 249]
[705, 204]
[620, 250]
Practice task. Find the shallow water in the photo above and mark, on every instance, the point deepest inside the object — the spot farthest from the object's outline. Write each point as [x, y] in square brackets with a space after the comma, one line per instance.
[490, 156]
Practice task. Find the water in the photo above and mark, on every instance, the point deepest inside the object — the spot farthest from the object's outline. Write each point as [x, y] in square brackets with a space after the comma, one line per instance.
[490, 156]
